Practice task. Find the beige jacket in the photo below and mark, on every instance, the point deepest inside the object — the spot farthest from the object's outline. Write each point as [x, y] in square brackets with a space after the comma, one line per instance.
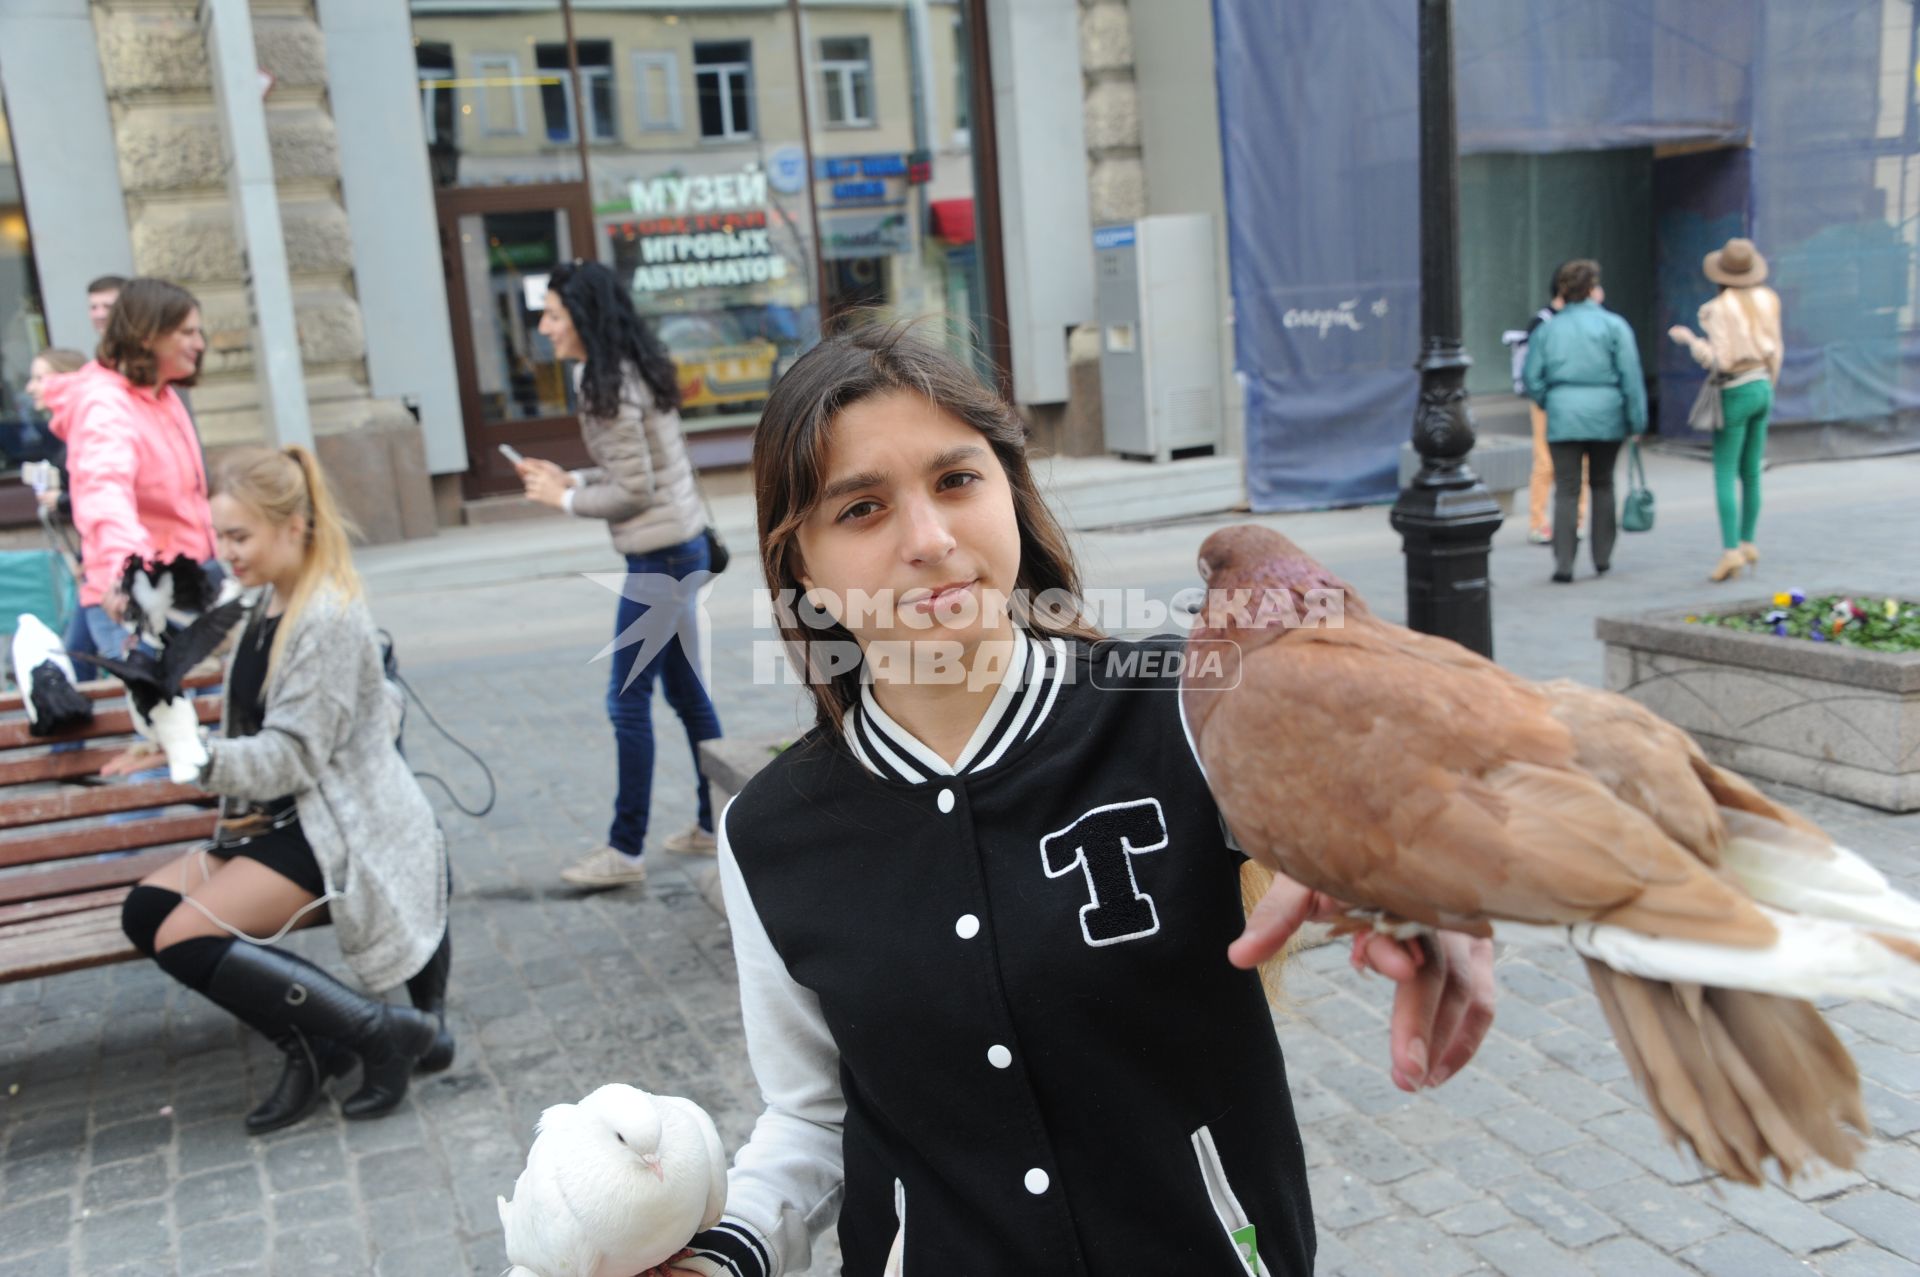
[1742, 339]
[642, 482]
[328, 739]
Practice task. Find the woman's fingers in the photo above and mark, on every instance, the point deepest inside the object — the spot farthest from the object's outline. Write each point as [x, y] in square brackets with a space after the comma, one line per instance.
[1466, 1009]
[1416, 1004]
[1272, 922]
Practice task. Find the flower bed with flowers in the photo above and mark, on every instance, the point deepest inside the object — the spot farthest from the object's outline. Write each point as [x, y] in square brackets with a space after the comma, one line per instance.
[1876, 624]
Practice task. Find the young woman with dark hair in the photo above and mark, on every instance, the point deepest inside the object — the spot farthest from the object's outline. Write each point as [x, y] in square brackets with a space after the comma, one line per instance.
[988, 922]
[643, 485]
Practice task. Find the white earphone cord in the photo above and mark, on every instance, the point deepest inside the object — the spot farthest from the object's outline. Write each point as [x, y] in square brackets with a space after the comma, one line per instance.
[206, 876]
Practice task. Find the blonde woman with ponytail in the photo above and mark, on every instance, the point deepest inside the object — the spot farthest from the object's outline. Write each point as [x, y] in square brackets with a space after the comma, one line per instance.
[317, 808]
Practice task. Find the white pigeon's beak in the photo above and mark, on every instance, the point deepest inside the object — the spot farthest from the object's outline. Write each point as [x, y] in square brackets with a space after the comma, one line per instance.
[652, 1162]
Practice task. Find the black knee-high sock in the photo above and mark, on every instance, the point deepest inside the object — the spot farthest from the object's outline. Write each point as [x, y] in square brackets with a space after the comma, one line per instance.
[192, 960]
[141, 914]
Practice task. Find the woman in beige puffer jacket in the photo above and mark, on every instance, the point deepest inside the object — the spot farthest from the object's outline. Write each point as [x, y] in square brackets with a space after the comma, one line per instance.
[643, 485]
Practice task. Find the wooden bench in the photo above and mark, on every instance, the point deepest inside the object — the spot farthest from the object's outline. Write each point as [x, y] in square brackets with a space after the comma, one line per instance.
[64, 869]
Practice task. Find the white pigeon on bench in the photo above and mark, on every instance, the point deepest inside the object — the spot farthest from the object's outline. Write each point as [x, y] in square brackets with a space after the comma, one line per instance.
[615, 1185]
[44, 674]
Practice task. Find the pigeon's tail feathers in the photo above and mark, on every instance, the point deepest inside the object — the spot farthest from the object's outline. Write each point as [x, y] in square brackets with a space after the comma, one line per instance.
[1738, 1077]
[1801, 873]
[54, 705]
[1812, 958]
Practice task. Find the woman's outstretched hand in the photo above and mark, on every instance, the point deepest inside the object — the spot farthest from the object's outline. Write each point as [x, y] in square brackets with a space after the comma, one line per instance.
[1443, 1000]
[142, 757]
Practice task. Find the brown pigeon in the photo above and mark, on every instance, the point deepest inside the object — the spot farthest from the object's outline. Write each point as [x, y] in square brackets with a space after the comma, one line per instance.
[1427, 787]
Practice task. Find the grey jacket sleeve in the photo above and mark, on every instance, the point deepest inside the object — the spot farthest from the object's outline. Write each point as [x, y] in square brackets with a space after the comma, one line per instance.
[623, 486]
[309, 713]
[787, 1179]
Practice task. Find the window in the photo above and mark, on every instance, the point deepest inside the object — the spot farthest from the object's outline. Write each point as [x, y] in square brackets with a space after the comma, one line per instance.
[656, 77]
[500, 113]
[556, 89]
[846, 72]
[434, 66]
[723, 77]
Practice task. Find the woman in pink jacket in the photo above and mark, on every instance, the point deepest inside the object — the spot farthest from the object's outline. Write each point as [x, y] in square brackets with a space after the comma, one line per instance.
[134, 465]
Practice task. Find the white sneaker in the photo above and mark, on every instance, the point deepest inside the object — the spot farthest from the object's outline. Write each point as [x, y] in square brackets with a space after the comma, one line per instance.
[694, 842]
[604, 867]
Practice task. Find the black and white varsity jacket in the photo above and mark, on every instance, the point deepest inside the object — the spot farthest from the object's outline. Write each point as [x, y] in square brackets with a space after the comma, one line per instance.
[989, 1005]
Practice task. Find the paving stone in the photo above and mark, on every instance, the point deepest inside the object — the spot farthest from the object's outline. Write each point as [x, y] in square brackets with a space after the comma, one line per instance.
[1409, 1247]
[223, 1245]
[1585, 1054]
[419, 1254]
[1589, 1165]
[1630, 1257]
[1668, 1217]
[124, 1182]
[1890, 1066]
[1568, 1095]
[1862, 1260]
[1523, 1252]
[1893, 1166]
[1361, 1147]
[41, 1263]
[1533, 1132]
[1737, 1254]
[109, 1237]
[306, 1161]
[1636, 1135]
[1432, 1191]
[1776, 1216]
[216, 1194]
[1475, 1218]
[1894, 1116]
[37, 1176]
[1516, 975]
[1886, 1219]
[34, 1225]
[1343, 1200]
[1560, 1214]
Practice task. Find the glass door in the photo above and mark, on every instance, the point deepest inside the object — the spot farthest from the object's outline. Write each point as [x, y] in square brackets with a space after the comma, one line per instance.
[500, 246]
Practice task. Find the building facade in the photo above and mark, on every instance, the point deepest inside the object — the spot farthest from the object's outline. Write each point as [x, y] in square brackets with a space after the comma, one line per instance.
[368, 198]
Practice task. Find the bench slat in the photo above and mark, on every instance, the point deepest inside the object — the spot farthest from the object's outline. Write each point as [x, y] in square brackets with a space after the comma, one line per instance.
[68, 844]
[72, 764]
[89, 939]
[100, 689]
[59, 880]
[27, 910]
[74, 802]
[16, 733]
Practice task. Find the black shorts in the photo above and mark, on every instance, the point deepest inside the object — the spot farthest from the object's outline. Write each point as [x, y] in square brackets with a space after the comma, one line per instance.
[282, 848]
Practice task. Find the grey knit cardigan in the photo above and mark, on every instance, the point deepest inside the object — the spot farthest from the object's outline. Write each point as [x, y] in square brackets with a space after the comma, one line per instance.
[328, 739]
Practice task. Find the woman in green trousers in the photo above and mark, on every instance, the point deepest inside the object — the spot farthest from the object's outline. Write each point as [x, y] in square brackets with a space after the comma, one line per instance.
[1742, 349]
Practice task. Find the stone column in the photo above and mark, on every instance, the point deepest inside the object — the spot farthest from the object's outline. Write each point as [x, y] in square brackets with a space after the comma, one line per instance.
[172, 168]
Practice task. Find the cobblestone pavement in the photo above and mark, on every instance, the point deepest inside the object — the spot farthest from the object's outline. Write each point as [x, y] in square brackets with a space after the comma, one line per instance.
[120, 1095]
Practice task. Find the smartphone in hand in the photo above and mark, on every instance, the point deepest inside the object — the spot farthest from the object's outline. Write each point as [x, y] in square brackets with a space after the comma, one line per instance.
[511, 453]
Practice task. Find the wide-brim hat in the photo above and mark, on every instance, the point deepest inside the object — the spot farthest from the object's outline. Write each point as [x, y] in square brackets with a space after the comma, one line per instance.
[1738, 264]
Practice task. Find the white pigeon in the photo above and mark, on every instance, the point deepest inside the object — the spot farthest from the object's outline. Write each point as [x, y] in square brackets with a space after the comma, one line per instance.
[45, 676]
[614, 1185]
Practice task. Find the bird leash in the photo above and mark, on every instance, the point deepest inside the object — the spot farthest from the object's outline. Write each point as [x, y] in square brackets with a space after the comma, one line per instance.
[390, 664]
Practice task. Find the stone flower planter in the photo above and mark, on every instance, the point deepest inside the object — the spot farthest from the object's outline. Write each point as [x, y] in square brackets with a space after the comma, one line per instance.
[1833, 719]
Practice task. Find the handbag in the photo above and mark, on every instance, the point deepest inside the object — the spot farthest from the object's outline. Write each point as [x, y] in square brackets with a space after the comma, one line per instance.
[717, 555]
[1636, 512]
[1705, 415]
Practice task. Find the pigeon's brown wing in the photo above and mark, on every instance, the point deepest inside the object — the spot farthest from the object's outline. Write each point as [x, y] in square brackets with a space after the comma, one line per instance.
[1442, 791]
[187, 647]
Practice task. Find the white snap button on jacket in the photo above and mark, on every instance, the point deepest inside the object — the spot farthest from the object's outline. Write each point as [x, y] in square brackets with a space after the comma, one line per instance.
[1037, 1181]
[946, 800]
[999, 1056]
[967, 927]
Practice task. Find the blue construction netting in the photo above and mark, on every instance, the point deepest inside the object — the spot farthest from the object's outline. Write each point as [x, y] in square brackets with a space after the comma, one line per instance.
[1791, 121]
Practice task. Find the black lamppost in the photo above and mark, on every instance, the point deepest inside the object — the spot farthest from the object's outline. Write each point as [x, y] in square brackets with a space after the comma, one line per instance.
[1446, 517]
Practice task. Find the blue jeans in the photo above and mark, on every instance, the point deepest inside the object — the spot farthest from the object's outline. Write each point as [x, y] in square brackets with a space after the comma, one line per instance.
[630, 693]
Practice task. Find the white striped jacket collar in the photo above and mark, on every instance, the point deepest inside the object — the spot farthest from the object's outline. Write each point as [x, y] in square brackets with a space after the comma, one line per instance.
[1025, 698]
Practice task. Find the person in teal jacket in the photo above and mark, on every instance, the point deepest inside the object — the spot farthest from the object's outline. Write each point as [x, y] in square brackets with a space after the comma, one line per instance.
[1584, 369]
